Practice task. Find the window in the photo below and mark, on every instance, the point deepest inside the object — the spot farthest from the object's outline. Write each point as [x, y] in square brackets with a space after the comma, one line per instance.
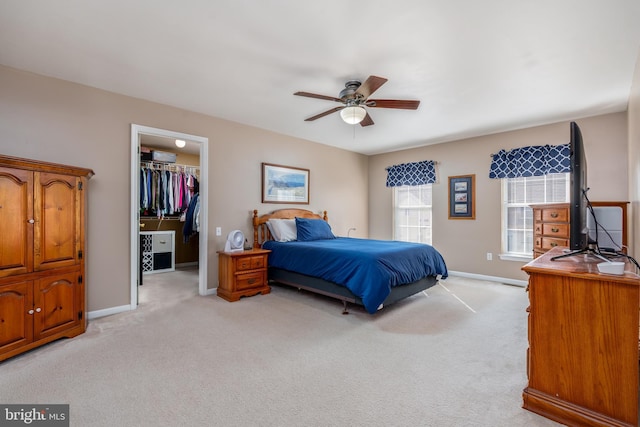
[517, 216]
[412, 213]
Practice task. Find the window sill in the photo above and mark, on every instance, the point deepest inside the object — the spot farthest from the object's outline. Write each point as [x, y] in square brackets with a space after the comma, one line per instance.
[513, 257]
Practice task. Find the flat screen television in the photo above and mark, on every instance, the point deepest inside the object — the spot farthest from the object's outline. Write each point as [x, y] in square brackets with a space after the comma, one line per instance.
[578, 230]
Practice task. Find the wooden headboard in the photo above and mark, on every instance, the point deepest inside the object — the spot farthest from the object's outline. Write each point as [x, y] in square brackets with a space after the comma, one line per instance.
[261, 231]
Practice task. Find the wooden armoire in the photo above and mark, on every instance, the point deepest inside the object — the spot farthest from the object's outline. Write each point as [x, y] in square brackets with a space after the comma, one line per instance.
[42, 253]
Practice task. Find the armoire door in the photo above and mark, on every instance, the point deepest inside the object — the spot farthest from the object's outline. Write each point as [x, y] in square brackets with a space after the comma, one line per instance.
[55, 304]
[16, 221]
[58, 221]
[16, 318]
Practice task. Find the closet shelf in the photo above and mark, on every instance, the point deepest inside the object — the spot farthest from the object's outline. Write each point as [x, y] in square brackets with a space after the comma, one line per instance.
[172, 167]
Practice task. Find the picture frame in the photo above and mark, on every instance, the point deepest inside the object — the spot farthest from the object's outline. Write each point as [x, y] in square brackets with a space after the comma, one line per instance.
[462, 197]
[285, 184]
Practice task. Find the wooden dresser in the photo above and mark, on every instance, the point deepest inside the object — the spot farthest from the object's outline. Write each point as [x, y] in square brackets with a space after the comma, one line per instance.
[42, 253]
[242, 274]
[582, 361]
[550, 227]
[551, 224]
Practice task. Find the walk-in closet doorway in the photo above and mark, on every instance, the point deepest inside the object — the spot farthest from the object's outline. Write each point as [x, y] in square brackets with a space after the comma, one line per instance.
[138, 134]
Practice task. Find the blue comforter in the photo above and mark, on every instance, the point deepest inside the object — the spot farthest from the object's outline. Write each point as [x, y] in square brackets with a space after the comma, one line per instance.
[368, 268]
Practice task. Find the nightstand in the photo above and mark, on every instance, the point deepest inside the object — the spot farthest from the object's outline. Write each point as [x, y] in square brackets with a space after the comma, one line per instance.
[242, 274]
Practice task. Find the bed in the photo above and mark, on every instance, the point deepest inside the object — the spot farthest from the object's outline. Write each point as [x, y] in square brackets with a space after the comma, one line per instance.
[372, 273]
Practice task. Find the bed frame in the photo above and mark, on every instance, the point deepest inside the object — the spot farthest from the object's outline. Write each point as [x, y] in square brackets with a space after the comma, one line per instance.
[316, 285]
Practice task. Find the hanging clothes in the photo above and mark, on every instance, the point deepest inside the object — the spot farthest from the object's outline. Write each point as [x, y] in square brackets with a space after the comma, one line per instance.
[164, 192]
[191, 218]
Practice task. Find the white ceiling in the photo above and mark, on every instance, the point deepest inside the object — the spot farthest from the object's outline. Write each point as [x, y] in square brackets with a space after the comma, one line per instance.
[478, 67]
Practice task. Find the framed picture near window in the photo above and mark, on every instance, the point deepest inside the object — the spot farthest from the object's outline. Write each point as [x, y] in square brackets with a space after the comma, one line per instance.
[284, 184]
[462, 197]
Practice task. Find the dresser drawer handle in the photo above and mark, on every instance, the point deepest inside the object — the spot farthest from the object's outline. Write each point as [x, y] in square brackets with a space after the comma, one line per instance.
[555, 230]
[553, 244]
[554, 214]
[251, 281]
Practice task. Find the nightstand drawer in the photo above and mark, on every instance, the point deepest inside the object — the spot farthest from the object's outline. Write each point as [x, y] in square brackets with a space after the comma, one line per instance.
[250, 280]
[250, 263]
[556, 230]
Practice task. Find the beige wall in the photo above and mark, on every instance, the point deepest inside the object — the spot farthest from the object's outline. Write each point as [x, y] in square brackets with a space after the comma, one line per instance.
[53, 120]
[634, 158]
[464, 243]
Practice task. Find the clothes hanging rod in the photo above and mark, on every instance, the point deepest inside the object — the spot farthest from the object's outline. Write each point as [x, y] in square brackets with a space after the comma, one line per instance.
[164, 218]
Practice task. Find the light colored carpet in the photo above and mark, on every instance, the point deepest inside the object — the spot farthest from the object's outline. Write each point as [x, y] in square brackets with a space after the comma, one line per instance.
[454, 356]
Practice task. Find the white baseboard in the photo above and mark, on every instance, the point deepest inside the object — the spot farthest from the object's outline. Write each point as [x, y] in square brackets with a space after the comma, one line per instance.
[121, 309]
[107, 311]
[515, 282]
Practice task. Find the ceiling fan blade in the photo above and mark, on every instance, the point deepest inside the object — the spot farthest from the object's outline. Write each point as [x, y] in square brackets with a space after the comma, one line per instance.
[370, 85]
[393, 103]
[367, 121]
[314, 95]
[326, 113]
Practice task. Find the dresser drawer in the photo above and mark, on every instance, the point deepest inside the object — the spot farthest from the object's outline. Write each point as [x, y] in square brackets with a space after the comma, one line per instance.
[550, 243]
[250, 280]
[555, 230]
[250, 263]
[555, 214]
[537, 215]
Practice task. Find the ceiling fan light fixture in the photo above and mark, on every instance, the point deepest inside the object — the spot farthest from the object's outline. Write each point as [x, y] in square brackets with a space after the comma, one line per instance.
[353, 115]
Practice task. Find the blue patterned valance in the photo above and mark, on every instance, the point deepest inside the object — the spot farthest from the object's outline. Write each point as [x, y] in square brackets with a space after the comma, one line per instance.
[417, 173]
[531, 161]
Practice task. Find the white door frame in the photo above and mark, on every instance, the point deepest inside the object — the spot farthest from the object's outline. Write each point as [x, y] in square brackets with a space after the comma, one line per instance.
[136, 131]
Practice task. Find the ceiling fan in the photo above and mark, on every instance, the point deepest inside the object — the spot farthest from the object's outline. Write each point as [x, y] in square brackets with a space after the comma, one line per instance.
[355, 96]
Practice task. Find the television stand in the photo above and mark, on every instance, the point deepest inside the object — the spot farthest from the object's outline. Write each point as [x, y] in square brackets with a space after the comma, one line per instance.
[588, 251]
[582, 360]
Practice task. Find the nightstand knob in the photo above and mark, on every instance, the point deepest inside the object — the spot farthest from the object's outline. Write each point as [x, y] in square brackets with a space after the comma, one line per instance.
[30, 311]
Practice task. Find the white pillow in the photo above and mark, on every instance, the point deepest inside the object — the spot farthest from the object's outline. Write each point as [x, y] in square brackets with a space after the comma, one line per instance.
[271, 230]
[283, 230]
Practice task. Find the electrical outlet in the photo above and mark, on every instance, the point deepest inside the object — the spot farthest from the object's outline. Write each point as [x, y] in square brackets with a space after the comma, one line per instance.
[489, 256]
[218, 231]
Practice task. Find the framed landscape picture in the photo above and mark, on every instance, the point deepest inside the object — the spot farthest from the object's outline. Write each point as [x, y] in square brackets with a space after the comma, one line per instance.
[462, 197]
[284, 184]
